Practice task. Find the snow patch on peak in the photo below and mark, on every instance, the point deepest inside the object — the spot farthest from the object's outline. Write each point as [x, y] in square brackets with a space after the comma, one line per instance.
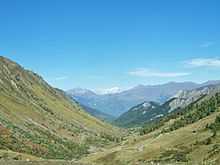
[80, 91]
[105, 91]
[146, 104]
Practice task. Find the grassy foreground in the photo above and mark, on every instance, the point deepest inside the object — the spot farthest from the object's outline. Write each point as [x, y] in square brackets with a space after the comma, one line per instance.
[39, 120]
[192, 144]
[39, 163]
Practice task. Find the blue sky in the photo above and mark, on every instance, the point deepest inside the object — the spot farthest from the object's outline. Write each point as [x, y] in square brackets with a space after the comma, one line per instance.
[119, 43]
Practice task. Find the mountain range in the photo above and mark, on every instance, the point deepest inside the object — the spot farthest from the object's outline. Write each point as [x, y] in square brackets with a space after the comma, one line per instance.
[42, 123]
[150, 111]
[118, 103]
[190, 135]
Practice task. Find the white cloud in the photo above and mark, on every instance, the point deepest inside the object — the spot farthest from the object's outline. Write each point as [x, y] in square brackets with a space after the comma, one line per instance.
[61, 78]
[108, 90]
[207, 44]
[144, 72]
[204, 62]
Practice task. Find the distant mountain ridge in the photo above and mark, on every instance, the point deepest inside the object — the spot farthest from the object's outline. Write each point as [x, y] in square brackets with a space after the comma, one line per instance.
[140, 114]
[189, 135]
[118, 103]
[98, 114]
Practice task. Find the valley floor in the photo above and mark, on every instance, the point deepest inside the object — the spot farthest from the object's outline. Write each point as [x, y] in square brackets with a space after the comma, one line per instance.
[187, 145]
[39, 163]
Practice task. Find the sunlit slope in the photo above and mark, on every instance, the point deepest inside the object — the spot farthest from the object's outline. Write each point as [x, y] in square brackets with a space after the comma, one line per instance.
[40, 120]
[195, 141]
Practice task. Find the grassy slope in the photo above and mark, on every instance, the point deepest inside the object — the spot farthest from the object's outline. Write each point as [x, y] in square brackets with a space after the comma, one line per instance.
[10, 155]
[187, 144]
[163, 147]
[39, 120]
[36, 119]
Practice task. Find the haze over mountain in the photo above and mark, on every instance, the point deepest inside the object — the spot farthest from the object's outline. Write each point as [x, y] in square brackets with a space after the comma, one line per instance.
[190, 135]
[150, 111]
[98, 114]
[148, 78]
[38, 121]
[117, 103]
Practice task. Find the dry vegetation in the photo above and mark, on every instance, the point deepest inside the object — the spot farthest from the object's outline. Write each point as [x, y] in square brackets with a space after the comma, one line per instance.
[41, 124]
[39, 120]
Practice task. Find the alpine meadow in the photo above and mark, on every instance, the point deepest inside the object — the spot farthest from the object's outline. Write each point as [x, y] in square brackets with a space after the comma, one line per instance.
[109, 82]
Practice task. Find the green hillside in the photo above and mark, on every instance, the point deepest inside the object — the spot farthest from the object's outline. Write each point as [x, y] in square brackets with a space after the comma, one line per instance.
[41, 124]
[139, 114]
[188, 136]
[41, 121]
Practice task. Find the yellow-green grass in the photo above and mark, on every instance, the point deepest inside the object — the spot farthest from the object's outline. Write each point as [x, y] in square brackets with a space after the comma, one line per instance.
[153, 146]
[7, 155]
[37, 119]
[46, 162]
